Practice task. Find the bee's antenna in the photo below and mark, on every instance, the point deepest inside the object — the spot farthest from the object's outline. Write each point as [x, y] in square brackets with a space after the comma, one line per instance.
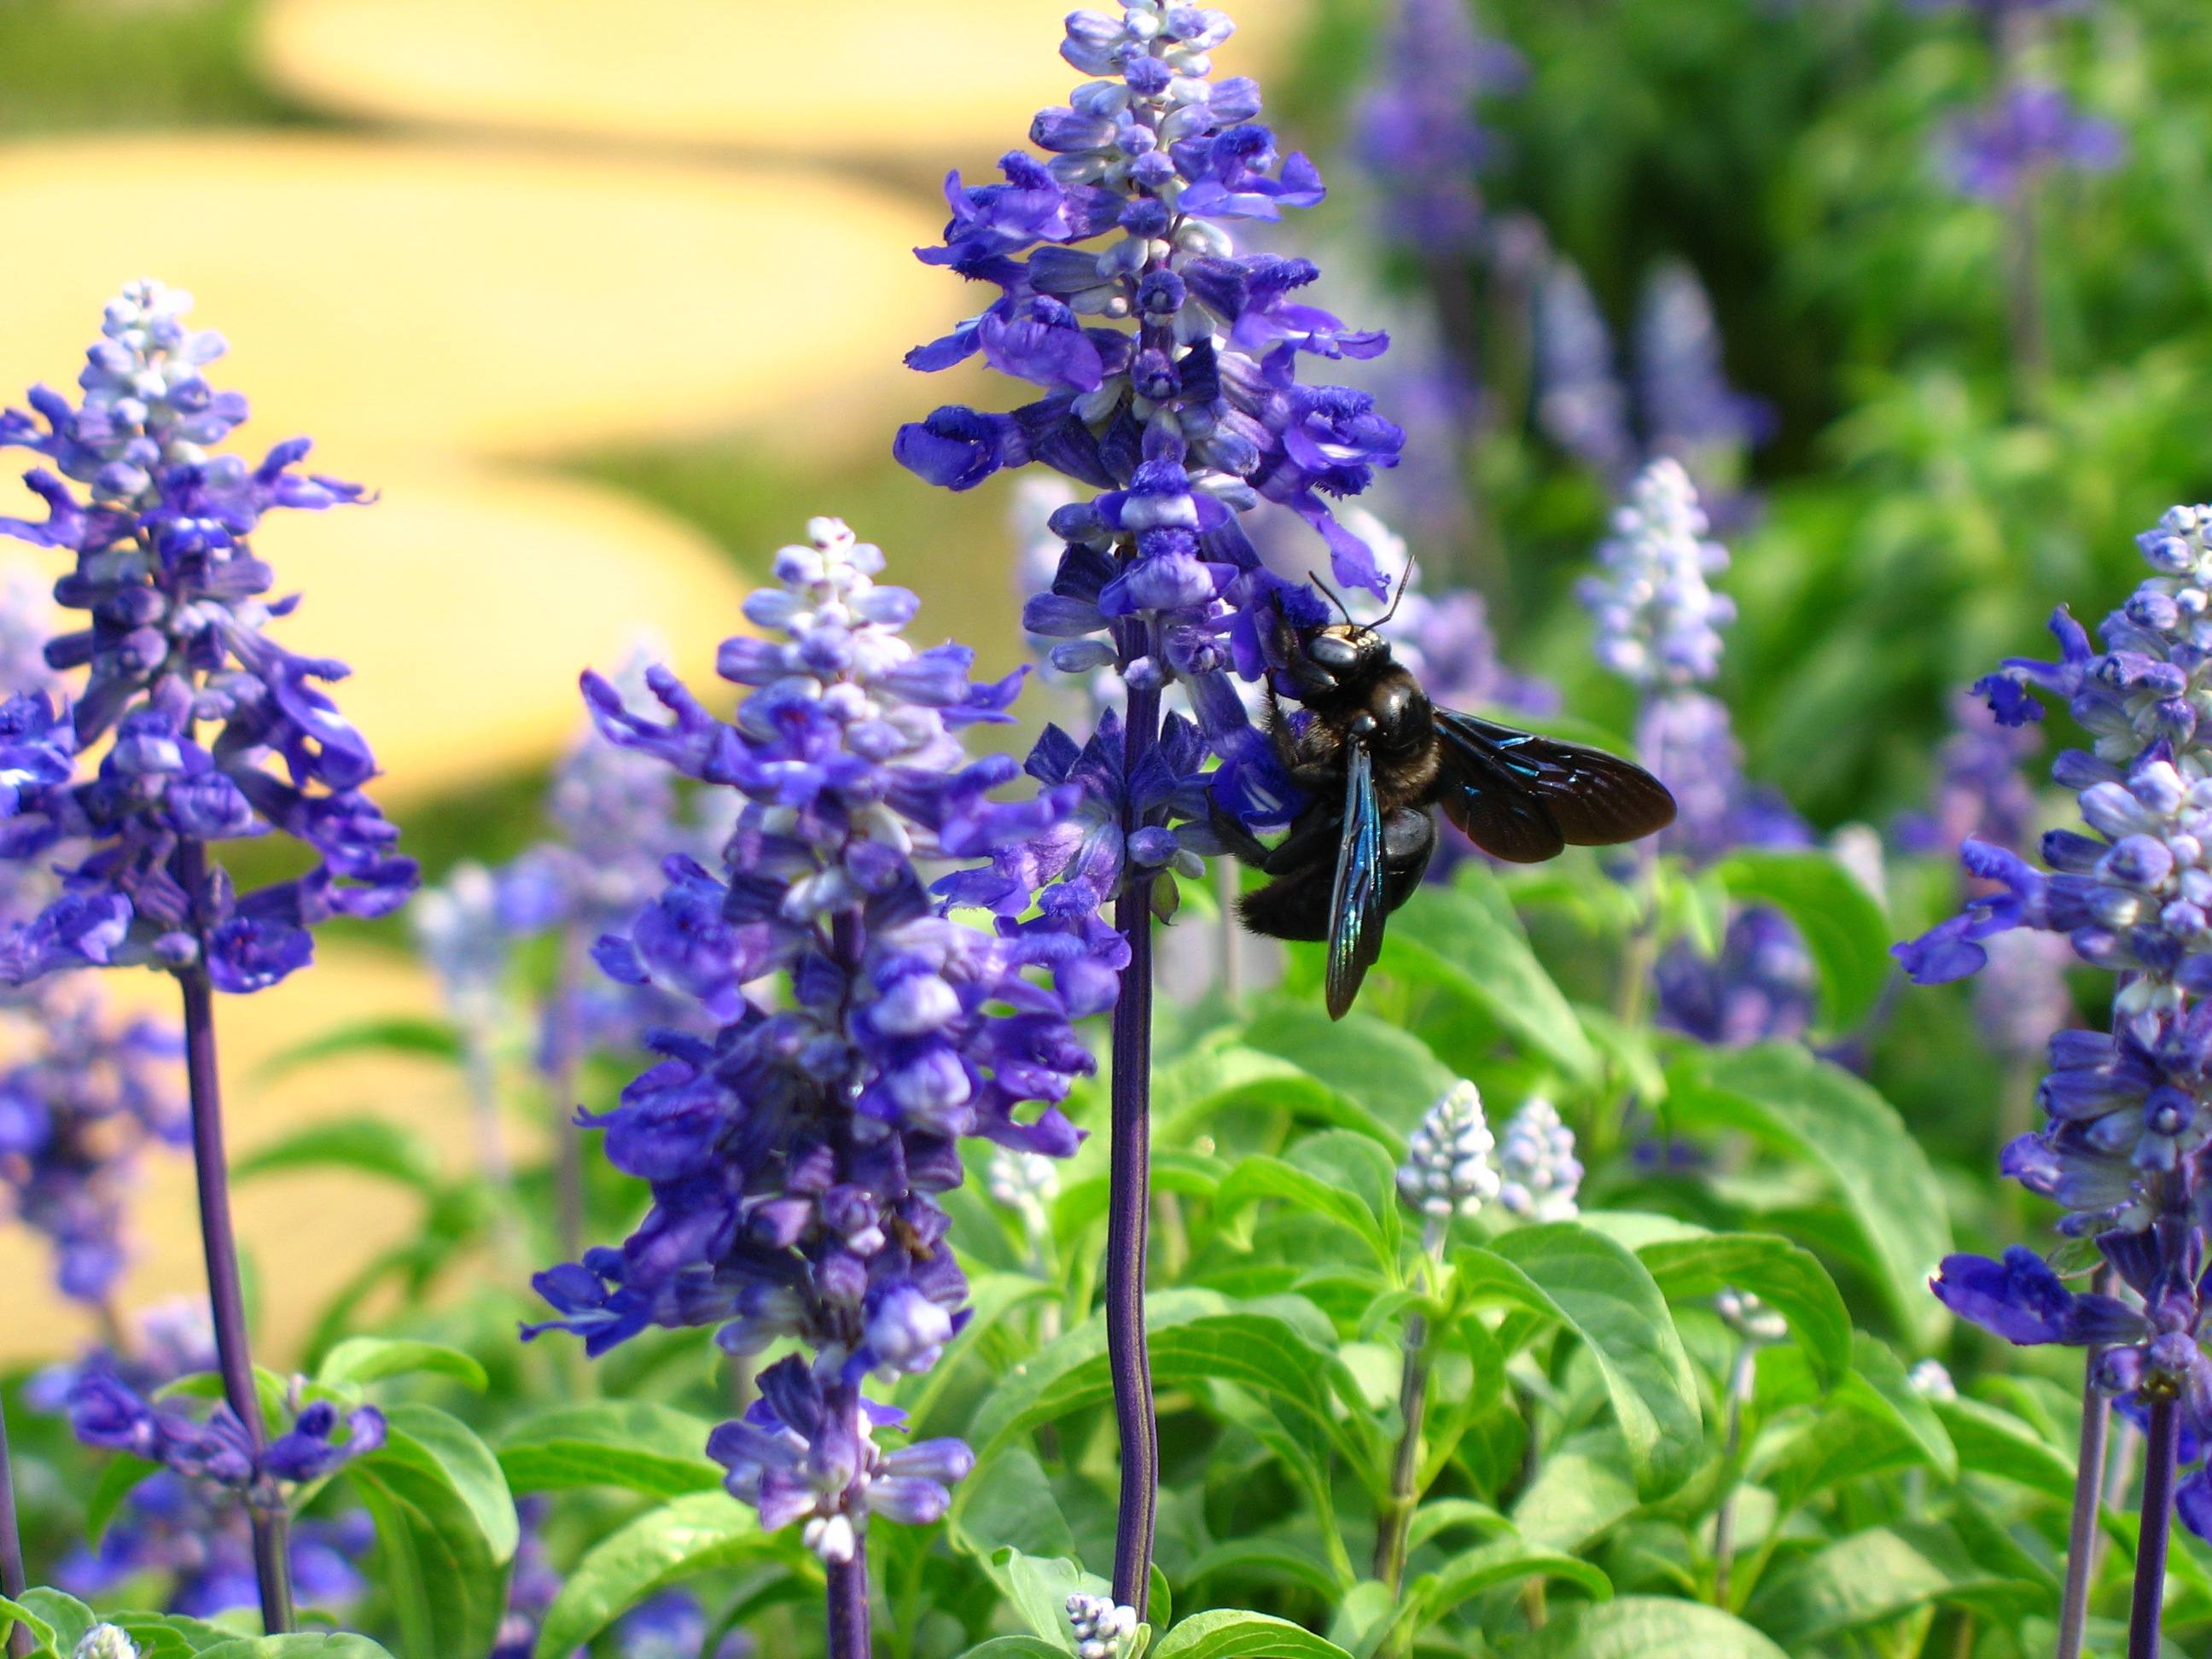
[1405, 581]
[1342, 608]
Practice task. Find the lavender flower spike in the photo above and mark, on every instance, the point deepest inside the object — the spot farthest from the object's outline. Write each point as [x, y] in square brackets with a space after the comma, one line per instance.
[1166, 365]
[795, 1155]
[206, 731]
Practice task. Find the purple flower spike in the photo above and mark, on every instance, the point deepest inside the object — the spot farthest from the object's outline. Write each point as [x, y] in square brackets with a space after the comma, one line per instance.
[794, 1157]
[215, 731]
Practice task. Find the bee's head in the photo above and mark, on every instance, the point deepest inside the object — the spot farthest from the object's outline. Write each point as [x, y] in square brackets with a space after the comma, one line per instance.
[1346, 650]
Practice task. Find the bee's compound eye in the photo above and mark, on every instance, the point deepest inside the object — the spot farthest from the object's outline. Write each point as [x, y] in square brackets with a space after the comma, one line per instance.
[1332, 651]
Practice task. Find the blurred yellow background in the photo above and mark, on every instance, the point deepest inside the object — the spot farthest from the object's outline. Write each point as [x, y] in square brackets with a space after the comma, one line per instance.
[505, 239]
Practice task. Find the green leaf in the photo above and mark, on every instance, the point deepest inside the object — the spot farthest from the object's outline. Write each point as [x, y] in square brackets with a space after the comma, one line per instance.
[1016, 1647]
[1190, 1344]
[1995, 1443]
[318, 1646]
[1506, 1561]
[1259, 1178]
[682, 1536]
[1386, 1071]
[1844, 928]
[1878, 1379]
[445, 1530]
[1788, 1277]
[370, 1145]
[360, 1360]
[170, 1635]
[117, 1482]
[33, 1614]
[1651, 1627]
[393, 1033]
[1230, 1634]
[635, 1445]
[1442, 1515]
[1272, 1560]
[1465, 939]
[1874, 1577]
[1037, 1590]
[1606, 1296]
[1008, 1503]
[1824, 1117]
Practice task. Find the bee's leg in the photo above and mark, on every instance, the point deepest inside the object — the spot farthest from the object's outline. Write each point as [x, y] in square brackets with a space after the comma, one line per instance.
[1313, 837]
[1409, 840]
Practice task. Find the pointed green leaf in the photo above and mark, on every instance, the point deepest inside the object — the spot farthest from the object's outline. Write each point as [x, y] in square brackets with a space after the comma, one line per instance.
[1651, 1627]
[360, 1360]
[1606, 1296]
[1786, 1277]
[1230, 1634]
[635, 1445]
[1465, 939]
[370, 1145]
[684, 1535]
[445, 1530]
[1843, 925]
[1824, 1117]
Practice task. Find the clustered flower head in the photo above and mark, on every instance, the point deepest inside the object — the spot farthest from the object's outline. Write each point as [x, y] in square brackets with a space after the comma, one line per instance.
[106, 1411]
[1760, 989]
[1447, 1170]
[212, 731]
[1538, 1174]
[1658, 617]
[1168, 364]
[1415, 131]
[1749, 1317]
[1682, 406]
[188, 1530]
[2029, 129]
[2135, 894]
[86, 1094]
[1102, 1627]
[2128, 1112]
[795, 1154]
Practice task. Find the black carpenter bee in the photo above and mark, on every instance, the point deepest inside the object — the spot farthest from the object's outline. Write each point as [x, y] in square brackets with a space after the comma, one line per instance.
[1374, 756]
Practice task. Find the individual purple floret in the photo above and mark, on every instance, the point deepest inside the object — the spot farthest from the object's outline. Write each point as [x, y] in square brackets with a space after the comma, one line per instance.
[1415, 130]
[197, 705]
[88, 1095]
[795, 1155]
[2029, 129]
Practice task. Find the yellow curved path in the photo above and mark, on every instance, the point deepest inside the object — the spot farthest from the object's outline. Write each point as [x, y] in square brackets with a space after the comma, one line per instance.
[467, 600]
[400, 294]
[307, 1234]
[952, 82]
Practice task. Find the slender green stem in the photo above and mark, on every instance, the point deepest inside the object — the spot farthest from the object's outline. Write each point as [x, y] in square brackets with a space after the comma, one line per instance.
[12, 1545]
[1739, 1391]
[1396, 1519]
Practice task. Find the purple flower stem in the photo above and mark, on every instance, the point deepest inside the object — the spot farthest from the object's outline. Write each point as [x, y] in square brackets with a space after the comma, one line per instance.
[2089, 1494]
[2161, 1446]
[271, 1563]
[848, 1609]
[568, 1139]
[11, 1546]
[1129, 1185]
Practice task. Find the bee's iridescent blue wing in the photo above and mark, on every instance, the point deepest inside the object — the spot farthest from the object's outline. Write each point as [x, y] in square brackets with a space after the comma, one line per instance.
[1356, 908]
